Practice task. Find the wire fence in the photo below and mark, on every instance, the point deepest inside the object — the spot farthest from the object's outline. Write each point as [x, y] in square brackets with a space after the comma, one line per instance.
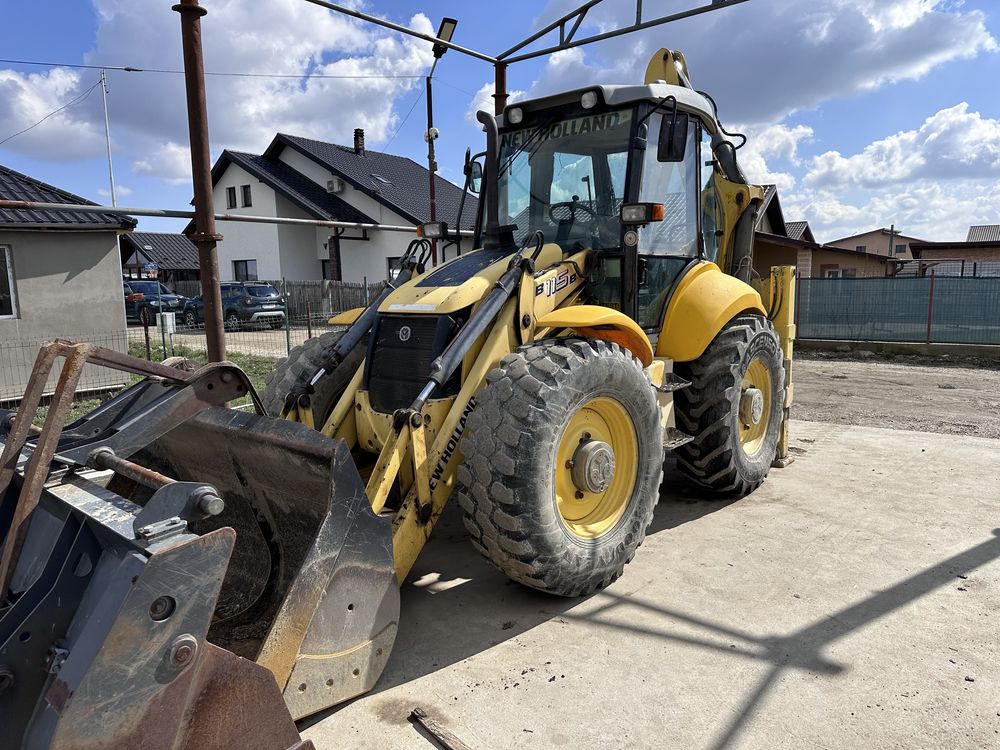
[308, 305]
[927, 309]
[315, 298]
[256, 348]
[17, 358]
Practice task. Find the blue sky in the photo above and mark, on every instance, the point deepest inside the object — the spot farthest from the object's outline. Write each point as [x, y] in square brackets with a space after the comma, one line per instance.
[864, 112]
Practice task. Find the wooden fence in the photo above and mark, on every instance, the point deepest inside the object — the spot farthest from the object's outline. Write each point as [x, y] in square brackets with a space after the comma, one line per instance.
[317, 299]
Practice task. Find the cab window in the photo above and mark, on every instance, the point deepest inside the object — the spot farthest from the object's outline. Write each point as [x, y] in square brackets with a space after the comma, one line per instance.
[710, 209]
[666, 247]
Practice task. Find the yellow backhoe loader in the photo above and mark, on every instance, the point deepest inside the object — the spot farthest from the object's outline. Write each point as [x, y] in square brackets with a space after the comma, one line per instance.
[179, 574]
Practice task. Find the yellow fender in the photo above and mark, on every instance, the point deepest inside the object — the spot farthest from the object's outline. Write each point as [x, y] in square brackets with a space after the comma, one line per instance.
[346, 318]
[704, 301]
[598, 322]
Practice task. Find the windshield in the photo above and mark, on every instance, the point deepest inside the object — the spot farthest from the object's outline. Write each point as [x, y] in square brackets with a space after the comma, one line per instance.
[262, 291]
[566, 177]
[148, 287]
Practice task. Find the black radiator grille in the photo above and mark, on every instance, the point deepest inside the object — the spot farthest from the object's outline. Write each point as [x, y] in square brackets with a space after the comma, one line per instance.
[400, 357]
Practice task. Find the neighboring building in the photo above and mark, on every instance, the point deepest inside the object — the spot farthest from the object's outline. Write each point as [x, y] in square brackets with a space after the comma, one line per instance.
[60, 277]
[799, 230]
[888, 243]
[984, 233]
[791, 243]
[979, 255]
[174, 256]
[771, 246]
[308, 179]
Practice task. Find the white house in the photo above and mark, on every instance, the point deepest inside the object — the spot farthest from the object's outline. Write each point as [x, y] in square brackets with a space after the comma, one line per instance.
[308, 179]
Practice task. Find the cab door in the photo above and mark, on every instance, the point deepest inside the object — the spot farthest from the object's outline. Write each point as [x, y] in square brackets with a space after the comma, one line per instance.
[665, 248]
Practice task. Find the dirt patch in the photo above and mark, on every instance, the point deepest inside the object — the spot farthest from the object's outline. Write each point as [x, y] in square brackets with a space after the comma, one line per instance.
[916, 393]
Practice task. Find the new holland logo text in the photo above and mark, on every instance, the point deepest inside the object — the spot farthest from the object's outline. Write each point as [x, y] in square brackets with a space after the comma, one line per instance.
[449, 449]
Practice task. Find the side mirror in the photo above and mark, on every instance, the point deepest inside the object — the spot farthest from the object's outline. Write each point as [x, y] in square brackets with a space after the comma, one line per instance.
[673, 137]
[476, 177]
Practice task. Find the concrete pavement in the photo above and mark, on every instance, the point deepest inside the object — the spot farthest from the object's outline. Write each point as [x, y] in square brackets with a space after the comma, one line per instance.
[852, 601]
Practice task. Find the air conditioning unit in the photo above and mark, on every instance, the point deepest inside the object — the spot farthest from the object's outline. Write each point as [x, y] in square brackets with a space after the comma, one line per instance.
[336, 185]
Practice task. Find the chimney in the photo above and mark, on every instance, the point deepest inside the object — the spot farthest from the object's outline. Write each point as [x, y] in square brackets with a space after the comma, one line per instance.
[359, 141]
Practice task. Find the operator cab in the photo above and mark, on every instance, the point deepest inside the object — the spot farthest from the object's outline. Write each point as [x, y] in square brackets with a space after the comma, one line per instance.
[569, 163]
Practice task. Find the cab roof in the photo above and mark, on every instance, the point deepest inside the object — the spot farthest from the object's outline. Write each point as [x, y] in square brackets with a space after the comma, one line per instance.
[619, 95]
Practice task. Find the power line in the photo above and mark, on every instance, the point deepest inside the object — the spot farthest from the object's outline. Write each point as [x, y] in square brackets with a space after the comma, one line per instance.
[416, 101]
[78, 99]
[132, 69]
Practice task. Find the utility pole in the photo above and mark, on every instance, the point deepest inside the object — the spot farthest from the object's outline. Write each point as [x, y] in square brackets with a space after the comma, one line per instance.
[107, 134]
[445, 31]
[205, 236]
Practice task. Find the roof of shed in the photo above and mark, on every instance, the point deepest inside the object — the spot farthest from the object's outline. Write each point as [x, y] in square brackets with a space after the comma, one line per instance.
[169, 251]
[20, 187]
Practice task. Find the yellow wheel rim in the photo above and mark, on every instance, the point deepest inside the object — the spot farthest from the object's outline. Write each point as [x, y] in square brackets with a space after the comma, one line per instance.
[585, 513]
[754, 412]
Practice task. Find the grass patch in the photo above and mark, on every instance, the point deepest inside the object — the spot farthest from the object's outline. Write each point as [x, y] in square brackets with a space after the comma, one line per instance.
[256, 367]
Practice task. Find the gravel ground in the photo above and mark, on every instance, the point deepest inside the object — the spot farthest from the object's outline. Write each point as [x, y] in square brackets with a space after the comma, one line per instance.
[912, 393]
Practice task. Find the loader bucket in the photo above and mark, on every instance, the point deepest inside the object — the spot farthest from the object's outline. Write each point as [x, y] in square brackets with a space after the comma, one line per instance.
[222, 575]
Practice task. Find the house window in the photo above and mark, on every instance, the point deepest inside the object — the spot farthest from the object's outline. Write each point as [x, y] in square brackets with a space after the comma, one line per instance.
[245, 270]
[848, 273]
[245, 194]
[862, 248]
[8, 293]
[900, 249]
[230, 197]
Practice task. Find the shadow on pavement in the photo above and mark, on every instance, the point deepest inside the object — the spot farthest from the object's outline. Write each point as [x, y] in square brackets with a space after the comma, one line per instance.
[454, 606]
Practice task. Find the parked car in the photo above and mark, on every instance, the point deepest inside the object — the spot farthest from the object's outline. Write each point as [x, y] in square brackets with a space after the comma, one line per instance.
[145, 297]
[242, 302]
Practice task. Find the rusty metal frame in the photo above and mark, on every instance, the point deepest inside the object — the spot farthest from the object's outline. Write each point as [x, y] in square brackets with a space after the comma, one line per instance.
[46, 440]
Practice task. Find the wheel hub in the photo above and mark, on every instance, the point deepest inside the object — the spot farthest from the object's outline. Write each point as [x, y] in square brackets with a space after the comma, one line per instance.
[593, 466]
[751, 406]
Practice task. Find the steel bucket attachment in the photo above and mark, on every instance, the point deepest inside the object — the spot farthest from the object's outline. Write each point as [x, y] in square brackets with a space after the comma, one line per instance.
[311, 591]
[134, 604]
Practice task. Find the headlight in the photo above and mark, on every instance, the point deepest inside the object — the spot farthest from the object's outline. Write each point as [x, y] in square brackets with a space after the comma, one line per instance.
[154, 302]
[432, 230]
[642, 213]
[515, 115]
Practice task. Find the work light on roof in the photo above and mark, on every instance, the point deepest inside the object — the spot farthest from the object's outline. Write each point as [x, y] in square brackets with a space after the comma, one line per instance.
[588, 100]
[515, 115]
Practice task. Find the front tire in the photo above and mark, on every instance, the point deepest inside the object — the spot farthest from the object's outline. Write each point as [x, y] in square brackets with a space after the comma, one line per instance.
[302, 362]
[732, 451]
[563, 463]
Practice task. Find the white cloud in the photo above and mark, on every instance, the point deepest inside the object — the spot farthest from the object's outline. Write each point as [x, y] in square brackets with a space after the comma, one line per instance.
[768, 58]
[148, 115]
[483, 100]
[26, 98]
[121, 191]
[925, 209]
[171, 163]
[775, 143]
[953, 143]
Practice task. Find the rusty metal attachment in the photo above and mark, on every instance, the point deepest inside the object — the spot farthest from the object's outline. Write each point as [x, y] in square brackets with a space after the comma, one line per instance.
[177, 574]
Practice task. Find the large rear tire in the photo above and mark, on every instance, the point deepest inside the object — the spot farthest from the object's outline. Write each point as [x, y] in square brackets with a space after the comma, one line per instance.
[302, 362]
[735, 430]
[563, 463]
